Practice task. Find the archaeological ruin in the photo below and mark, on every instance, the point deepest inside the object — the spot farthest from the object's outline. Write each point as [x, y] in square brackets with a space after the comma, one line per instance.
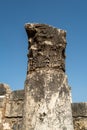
[45, 102]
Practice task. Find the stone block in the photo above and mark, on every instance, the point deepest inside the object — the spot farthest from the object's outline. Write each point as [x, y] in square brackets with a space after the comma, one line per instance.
[14, 108]
[17, 95]
[79, 109]
[14, 105]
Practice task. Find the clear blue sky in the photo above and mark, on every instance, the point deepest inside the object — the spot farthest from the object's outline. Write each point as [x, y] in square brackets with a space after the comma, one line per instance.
[70, 15]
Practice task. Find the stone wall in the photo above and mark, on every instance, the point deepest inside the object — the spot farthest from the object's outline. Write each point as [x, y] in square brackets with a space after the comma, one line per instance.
[11, 110]
[79, 111]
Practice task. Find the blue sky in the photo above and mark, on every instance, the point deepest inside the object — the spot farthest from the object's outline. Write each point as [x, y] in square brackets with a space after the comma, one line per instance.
[70, 15]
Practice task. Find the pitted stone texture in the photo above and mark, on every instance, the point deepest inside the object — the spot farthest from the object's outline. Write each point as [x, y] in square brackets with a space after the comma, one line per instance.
[45, 81]
[11, 108]
[14, 107]
[47, 98]
[80, 123]
[79, 111]
[14, 123]
[46, 46]
[48, 101]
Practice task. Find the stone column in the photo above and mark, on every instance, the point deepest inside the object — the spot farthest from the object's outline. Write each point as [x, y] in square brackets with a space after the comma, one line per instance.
[47, 94]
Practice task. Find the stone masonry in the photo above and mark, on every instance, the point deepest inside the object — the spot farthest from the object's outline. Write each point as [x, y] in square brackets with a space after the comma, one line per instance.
[47, 99]
[11, 110]
[45, 102]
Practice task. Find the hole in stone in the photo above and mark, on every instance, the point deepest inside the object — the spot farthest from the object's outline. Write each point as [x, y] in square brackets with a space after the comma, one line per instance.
[63, 53]
[18, 103]
[42, 115]
[31, 32]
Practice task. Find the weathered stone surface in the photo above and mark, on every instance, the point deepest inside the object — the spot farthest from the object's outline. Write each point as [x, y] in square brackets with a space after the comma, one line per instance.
[11, 108]
[17, 95]
[79, 111]
[48, 106]
[16, 99]
[13, 114]
[1, 102]
[4, 89]
[42, 82]
[46, 46]
[15, 123]
[47, 99]
[80, 123]
[14, 109]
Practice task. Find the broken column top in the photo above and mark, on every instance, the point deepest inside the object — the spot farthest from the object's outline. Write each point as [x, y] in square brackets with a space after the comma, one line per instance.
[46, 47]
